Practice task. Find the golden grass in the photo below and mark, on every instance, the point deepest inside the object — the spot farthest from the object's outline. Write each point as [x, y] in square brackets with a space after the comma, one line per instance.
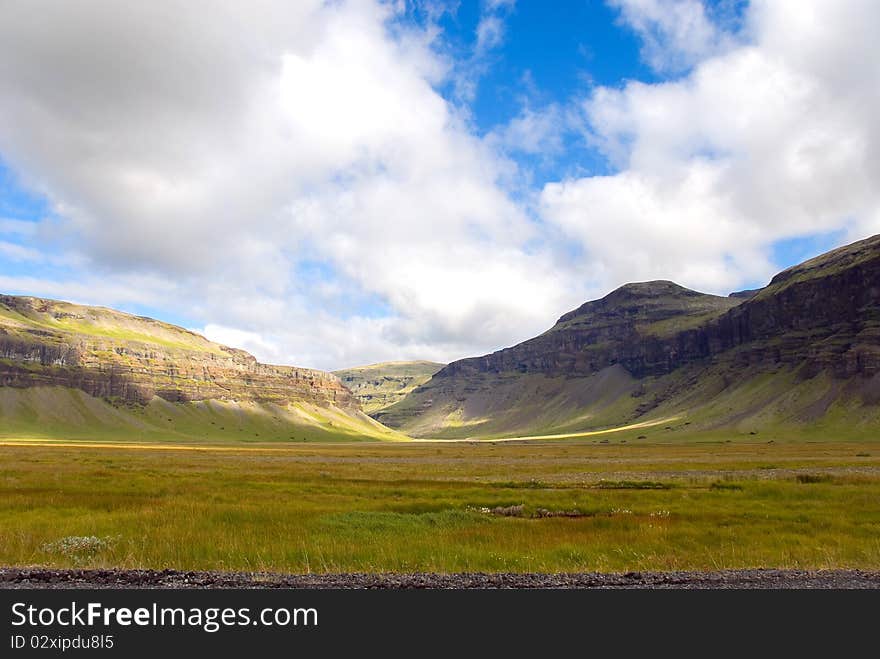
[416, 506]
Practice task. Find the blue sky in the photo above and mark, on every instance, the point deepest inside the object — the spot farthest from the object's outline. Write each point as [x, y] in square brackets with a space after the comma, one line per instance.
[341, 183]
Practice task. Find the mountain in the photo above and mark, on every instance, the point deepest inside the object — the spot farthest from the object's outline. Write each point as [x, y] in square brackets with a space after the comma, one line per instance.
[379, 386]
[76, 371]
[804, 352]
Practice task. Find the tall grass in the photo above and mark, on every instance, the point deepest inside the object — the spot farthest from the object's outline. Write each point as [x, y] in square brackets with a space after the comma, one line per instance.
[423, 507]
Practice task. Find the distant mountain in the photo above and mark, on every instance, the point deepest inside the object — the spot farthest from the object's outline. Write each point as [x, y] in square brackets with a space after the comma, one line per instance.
[803, 351]
[378, 386]
[73, 370]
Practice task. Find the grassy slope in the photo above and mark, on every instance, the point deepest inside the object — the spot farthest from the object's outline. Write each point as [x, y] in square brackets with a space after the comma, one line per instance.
[490, 406]
[782, 403]
[493, 405]
[60, 413]
[65, 319]
[378, 386]
[659, 308]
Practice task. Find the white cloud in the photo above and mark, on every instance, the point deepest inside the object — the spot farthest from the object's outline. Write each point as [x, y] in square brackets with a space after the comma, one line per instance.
[242, 339]
[490, 33]
[122, 289]
[537, 132]
[287, 176]
[769, 140]
[211, 150]
[490, 28]
[675, 33]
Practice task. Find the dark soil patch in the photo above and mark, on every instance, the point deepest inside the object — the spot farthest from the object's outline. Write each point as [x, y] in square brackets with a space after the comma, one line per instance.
[726, 579]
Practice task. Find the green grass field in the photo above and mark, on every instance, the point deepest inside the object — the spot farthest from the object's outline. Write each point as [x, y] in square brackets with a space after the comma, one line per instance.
[376, 507]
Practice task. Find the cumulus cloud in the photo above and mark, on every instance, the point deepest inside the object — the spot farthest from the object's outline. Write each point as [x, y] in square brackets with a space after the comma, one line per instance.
[772, 139]
[212, 149]
[147, 290]
[287, 176]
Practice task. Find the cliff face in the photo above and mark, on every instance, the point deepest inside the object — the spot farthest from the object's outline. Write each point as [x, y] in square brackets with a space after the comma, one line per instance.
[109, 354]
[823, 315]
[635, 326]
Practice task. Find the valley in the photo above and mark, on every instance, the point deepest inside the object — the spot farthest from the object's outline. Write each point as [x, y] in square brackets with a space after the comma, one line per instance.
[800, 356]
[657, 429]
[379, 386]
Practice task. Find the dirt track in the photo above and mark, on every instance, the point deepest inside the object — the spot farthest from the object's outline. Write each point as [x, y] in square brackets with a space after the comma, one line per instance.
[737, 579]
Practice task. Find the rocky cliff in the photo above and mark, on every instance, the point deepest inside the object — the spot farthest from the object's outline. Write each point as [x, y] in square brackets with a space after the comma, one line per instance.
[635, 326]
[112, 355]
[823, 314]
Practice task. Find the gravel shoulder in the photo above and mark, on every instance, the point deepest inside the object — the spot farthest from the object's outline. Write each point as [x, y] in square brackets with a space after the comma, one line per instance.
[29, 578]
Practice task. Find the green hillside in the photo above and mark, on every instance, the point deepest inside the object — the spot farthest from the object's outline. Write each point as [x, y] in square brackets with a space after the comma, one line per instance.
[69, 414]
[27, 317]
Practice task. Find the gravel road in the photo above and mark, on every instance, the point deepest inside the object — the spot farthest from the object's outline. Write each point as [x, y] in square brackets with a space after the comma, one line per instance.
[738, 579]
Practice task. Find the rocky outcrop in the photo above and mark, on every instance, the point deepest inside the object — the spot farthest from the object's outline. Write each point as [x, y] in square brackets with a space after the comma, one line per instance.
[824, 313]
[112, 355]
[635, 326]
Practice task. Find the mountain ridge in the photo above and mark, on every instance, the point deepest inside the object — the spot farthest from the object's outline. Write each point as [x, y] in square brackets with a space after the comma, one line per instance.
[644, 309]
[109, 353]
[670, 350]
[804, 351]
[143, 376]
